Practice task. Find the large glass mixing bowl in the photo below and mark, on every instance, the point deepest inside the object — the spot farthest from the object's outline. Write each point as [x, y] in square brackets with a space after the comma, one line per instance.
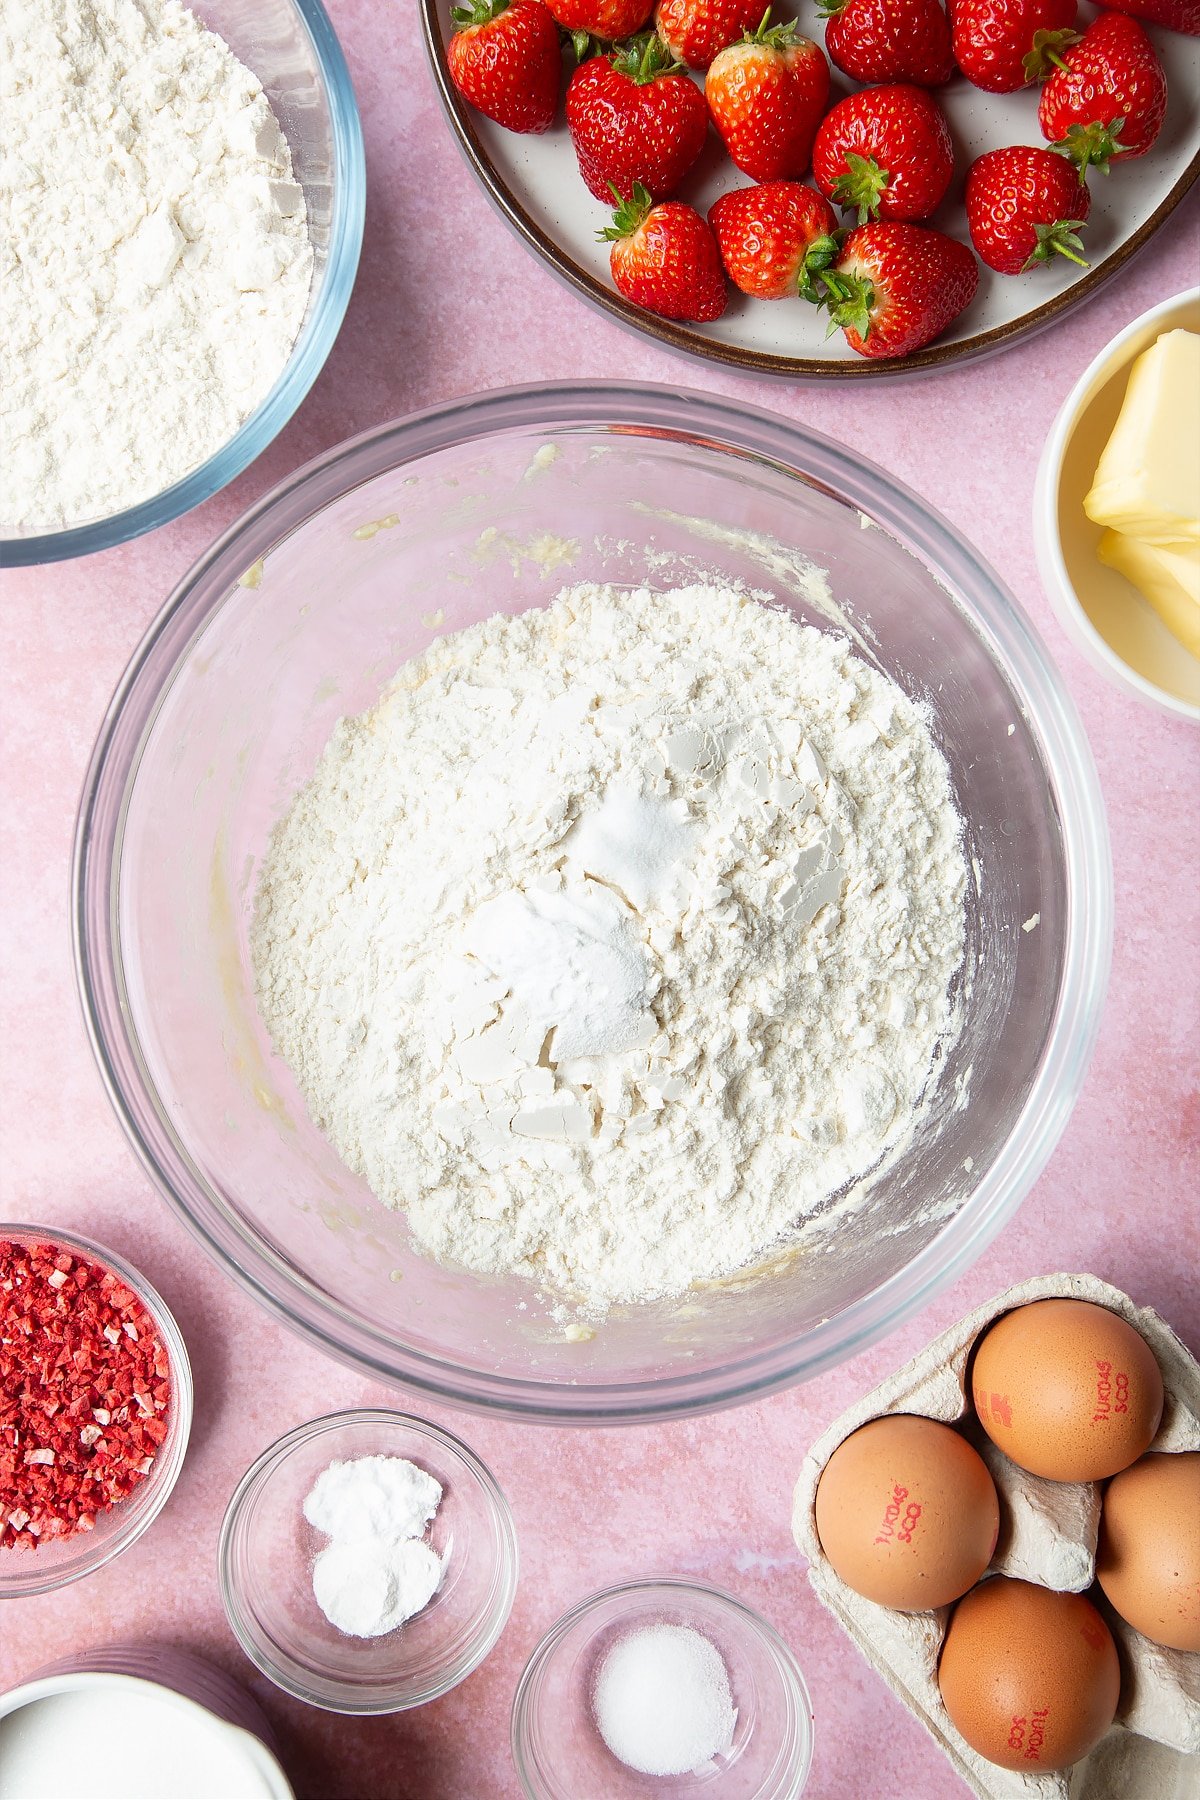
[292, 48]
[304, 610]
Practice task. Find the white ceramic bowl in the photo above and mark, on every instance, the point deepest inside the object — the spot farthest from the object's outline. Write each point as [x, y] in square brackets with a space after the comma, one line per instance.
[1116, 629]
[180, 1708]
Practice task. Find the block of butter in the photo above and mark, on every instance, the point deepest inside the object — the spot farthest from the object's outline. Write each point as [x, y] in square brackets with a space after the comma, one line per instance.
[1147, 482]
[1168, 577]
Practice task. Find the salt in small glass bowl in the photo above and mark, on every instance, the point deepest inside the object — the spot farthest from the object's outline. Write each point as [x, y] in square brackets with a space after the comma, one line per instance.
[62, 1560]
[556, 1743]
[267, 1549]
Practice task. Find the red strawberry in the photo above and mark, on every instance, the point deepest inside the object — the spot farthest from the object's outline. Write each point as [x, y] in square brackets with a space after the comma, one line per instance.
[885, 152]
[895, 287]
[694, 31]
[1176, 15]
[635, 116]
[774, 238]
[1106, 98]
[609, 19]
[664, 257]
[766, 96]
[889, 40]
[1000, 44]
[1024, 207]
[505, 59]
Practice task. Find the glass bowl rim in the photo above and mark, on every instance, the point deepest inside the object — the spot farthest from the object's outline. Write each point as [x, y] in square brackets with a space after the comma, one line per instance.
[730, 427]
[332, 1694]
[150, 1496]
[299, 372]
[782, 1657]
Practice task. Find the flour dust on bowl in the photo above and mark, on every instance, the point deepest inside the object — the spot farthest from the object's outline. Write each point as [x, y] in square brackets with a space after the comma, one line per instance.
[185, 249]
[303, 614]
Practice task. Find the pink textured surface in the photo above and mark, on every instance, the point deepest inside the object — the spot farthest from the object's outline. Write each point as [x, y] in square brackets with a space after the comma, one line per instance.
[448, 302]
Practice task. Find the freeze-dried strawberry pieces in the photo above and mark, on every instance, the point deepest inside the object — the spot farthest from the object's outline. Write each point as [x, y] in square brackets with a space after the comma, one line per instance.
[85, 1392]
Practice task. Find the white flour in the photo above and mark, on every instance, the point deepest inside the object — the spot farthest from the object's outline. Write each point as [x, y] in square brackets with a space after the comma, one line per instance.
[618, 938]
[154, 258]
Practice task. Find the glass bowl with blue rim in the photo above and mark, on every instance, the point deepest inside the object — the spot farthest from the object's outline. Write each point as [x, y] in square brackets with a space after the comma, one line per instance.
[291, 46]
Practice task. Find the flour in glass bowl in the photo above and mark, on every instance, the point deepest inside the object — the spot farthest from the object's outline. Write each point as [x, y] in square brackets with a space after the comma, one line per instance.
[619, 937]
[155, 262]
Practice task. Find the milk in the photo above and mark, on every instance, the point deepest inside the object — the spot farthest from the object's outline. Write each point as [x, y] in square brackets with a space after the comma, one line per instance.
[112, 1737]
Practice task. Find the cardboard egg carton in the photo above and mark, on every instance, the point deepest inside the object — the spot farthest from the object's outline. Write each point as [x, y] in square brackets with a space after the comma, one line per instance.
[1048, 1533]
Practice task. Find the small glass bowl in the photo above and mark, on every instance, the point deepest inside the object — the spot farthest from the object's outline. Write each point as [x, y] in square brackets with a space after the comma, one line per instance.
[557, 1746]
[61, 1560]
[266, 1555]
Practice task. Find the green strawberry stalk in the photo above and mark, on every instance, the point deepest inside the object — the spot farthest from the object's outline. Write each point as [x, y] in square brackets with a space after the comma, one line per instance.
[861, 186]
[627, 214]
[818, 258]
[1046, 53]
[775, 37]
[644, 59]
[1060, 239]
[1092, 146]
[477, 12]
[847, 298]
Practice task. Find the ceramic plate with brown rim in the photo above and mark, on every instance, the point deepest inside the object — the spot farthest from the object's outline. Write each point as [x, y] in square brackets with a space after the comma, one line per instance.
[535, 184]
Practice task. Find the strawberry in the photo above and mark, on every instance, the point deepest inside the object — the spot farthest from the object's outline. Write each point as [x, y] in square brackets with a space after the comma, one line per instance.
[895, 287]
[889, 40]
[1107, 95]
[885, 152]
[1000, 45]
[695, 31]
[505, 59]
[766, 96]
[1024, 207]
[635, 116]
[1176, 15]
[664, 257]
[774, 238]
[608, 19]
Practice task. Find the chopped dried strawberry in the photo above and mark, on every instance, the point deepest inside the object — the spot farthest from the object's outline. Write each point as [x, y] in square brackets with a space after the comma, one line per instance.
[85, 1392]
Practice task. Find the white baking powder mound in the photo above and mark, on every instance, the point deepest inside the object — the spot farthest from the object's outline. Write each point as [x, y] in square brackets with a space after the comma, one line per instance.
[619, 937]
[155, 262]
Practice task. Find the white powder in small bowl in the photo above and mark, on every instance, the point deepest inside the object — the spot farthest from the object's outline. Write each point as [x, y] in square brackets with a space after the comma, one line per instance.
[377, 1570]
[662, 1701]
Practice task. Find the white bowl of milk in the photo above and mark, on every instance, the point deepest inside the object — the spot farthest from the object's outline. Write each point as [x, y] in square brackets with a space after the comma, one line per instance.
[102, 1733]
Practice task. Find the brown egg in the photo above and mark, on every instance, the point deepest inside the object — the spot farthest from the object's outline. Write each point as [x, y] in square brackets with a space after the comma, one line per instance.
[907, 1513]
[1149, 1558]
[1067, 1389]
[1030, 1677]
